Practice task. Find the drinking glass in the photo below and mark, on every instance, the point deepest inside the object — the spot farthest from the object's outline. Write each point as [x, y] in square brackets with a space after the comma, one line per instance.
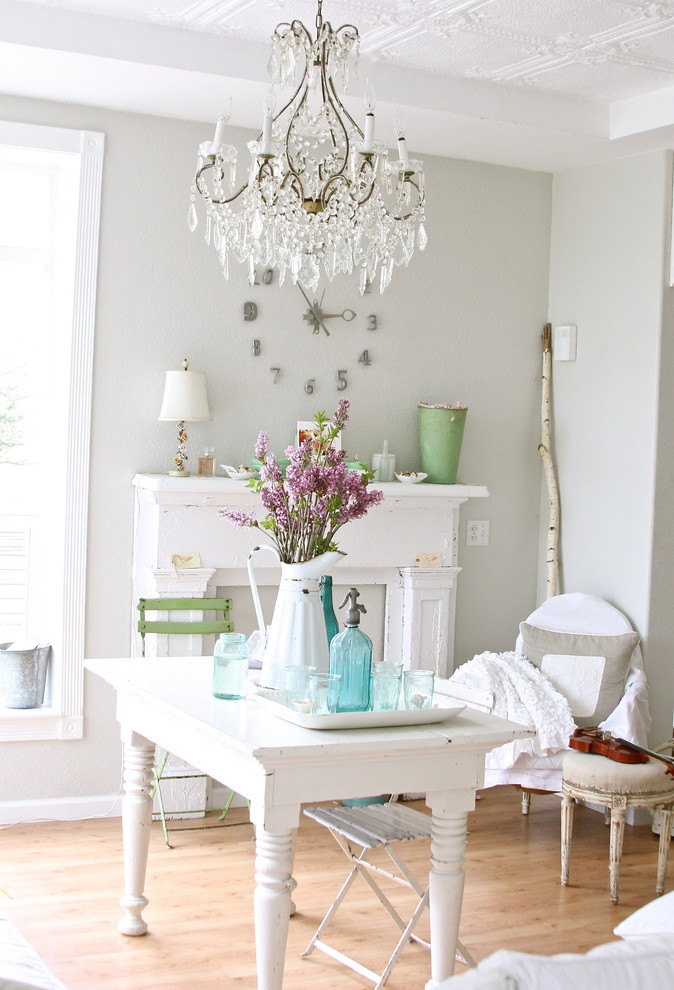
[418, 688]
[385, 686]
[323, 693]
[297, 687]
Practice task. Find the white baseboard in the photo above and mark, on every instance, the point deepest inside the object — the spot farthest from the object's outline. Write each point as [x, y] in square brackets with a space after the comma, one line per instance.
[70, 809]
[66, 809]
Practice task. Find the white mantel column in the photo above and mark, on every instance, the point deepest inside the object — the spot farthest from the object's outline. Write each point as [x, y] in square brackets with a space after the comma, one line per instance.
[421, 617]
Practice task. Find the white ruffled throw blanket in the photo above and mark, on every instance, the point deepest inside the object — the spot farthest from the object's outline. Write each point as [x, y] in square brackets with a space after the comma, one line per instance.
[522, 694]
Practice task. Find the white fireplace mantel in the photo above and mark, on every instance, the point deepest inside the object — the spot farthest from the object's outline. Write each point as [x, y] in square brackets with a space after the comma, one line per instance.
[179, 515]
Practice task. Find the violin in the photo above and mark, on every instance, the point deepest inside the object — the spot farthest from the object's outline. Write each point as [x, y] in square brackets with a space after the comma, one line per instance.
[595, 740]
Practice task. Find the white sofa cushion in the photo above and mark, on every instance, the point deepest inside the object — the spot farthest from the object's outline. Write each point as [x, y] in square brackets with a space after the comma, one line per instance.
[654, 918]
[624, 965]
[20, 966]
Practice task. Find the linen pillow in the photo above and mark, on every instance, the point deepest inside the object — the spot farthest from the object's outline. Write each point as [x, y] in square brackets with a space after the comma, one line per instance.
[589, 670]
[654, 918]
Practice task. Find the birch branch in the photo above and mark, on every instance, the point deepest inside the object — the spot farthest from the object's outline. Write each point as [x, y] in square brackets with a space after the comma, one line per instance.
[544, 449]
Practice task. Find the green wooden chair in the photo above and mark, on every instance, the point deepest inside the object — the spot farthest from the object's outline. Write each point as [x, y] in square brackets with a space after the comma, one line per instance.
[188, 627]
[184, 627]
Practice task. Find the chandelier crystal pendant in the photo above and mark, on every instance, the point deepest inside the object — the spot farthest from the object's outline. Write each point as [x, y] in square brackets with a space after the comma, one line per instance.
[321, 194]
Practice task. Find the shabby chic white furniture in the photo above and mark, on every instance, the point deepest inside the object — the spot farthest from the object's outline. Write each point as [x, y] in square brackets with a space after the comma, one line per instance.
[617, 786]
[587, 624]
[20, 966]
[643, 956]
[279, 766]
[357, 832]
[629, 965]
[179, 515]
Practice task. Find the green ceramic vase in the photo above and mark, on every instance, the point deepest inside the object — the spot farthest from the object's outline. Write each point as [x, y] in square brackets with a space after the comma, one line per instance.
[440, 435]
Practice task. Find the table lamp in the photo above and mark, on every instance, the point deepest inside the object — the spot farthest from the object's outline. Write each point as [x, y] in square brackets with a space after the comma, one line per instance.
[185, 401]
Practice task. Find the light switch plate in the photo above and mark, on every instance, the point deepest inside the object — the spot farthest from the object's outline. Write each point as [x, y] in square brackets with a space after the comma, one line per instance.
[564, 343]
[477, 533]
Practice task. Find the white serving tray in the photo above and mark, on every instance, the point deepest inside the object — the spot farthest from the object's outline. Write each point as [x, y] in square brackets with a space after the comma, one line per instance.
[360, 720]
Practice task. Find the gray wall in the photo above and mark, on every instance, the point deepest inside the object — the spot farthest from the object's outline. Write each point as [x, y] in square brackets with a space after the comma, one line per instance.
[463, 322]
[609, 261]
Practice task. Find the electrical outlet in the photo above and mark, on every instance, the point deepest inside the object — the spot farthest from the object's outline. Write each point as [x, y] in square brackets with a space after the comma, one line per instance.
[477, 533]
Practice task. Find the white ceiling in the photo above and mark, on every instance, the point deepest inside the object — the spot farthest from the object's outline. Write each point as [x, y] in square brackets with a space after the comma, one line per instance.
[541, 84]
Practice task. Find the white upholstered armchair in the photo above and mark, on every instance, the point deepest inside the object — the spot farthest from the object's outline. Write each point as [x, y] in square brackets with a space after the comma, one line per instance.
[589, 652]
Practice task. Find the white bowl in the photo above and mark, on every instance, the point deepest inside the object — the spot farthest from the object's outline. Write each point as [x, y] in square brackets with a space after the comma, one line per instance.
[237, 475]
[411, 477]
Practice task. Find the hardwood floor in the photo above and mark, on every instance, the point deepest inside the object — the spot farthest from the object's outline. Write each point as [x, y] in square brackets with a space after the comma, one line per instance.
[66, 879]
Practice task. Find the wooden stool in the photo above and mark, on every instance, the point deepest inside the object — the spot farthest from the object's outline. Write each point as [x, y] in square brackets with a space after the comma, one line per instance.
[379, 826]
[617, 786]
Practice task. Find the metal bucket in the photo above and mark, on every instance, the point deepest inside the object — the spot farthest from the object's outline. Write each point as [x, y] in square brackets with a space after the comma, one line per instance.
[23, 674]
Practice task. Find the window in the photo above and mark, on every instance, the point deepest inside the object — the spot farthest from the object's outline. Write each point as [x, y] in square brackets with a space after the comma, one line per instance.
[50, 182]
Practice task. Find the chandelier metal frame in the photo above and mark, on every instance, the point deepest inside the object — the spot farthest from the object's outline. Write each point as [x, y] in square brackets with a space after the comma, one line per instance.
[321, 194]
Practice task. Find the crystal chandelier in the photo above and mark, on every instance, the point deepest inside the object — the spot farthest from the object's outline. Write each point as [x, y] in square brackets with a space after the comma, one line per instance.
[321, 195]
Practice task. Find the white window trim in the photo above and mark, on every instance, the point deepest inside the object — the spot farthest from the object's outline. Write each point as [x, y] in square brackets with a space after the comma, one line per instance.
[63, 717]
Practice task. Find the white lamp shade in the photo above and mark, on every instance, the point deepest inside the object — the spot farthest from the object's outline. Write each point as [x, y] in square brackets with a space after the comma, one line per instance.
[185, 397]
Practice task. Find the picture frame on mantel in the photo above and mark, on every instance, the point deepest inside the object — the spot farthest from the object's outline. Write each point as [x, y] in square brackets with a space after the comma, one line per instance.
[307, 429]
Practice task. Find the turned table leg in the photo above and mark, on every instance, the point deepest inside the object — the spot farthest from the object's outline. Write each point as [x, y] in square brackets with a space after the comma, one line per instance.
[272, 903]
[136, 822]
[445, 886]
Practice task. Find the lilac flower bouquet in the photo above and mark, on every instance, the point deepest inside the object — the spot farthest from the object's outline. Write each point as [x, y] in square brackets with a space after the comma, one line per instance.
[318, 495]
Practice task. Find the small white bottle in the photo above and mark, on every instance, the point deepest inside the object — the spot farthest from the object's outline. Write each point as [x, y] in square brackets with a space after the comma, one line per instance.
[384, 464]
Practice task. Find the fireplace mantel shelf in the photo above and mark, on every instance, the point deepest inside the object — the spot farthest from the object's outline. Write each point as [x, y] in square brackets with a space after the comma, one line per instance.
[194, 486]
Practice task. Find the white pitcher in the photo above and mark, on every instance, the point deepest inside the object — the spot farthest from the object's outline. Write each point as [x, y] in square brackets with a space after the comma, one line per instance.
[297, 634]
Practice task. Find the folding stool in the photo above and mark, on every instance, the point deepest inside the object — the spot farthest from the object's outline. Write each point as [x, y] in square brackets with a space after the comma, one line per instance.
[372, 827]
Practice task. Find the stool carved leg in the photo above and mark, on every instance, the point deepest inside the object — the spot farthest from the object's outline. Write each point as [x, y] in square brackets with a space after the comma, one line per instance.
[568, 804]
[666, 816]
[616, 845]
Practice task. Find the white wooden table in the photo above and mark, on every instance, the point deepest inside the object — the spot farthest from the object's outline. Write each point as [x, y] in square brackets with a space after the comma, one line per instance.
[278, 767]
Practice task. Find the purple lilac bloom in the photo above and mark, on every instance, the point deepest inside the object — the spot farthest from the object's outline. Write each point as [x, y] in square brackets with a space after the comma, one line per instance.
[318, 495]
[237, 517]
[261, 446]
